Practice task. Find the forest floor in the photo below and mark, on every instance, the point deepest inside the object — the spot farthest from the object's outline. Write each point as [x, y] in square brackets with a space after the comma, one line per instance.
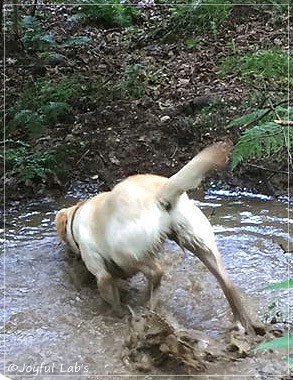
[145, 101]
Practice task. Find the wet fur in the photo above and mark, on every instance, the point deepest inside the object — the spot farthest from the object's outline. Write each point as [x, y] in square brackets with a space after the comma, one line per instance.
[120, 233]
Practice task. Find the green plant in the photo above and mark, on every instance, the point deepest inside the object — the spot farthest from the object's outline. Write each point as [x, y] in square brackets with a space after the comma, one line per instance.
[133, 83]
[106, 14]
[281, 285]
[280, 6]
[29, 120]
[33, 35]
[29, 166]
[267, 65]
[192, 43]
[42, 103]
[266, 137]
[53, 112]
[41, 92]
[50, 56]
[197, 16]
[284, 342]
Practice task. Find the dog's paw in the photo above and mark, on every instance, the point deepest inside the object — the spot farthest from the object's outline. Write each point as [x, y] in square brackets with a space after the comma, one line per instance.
[121, 311]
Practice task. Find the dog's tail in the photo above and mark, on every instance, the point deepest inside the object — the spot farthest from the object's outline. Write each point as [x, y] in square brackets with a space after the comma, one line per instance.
[190, 176]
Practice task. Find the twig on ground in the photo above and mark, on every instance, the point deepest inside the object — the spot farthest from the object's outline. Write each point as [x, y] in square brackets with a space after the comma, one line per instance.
[285, 123]
[82, 156]
[267, 169]
[266, 112]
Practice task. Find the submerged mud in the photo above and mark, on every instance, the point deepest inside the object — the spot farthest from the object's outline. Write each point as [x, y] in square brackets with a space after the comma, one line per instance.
[156, 340]
[56, 323]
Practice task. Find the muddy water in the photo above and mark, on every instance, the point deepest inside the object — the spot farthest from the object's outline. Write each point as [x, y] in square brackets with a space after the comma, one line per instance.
[56, 323]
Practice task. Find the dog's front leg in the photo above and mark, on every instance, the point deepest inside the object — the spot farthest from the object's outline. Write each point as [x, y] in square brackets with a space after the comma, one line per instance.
[152, 270]
[95, 264]
[109, 292]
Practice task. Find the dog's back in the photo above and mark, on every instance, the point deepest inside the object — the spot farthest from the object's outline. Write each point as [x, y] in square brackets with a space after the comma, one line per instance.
[128, 222]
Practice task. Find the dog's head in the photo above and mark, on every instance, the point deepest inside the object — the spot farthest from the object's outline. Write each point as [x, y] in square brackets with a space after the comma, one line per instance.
[63, 217]
[61, 220]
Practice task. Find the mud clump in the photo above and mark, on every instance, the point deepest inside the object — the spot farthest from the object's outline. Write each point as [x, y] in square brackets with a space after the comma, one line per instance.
[156, 340]
[153, 340]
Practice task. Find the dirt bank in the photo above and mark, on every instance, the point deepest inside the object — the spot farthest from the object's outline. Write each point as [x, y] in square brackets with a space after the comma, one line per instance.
[176, 104]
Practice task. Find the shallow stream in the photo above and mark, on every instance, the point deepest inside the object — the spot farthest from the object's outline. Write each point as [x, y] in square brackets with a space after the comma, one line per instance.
[56, 323]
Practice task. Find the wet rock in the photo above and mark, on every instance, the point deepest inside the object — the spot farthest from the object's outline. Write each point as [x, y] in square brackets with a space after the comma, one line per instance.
[165, 118]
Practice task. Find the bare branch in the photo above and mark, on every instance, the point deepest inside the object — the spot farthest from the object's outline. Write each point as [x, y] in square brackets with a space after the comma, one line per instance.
[285, 123]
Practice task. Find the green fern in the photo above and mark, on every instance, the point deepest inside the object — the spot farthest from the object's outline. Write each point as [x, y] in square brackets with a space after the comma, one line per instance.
[281, 285]
[273, 65]
[246, 119]
[261, 141]
[43, 91]
[34, 122]
[106, 13]
[279, 343]
[265, 138]
[34, 36]
[284, 343]
[41, 104]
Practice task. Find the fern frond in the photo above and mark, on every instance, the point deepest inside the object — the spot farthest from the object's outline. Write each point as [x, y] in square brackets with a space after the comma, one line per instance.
[247, 119]
[285, 113]
[284, 342]
[262, 141]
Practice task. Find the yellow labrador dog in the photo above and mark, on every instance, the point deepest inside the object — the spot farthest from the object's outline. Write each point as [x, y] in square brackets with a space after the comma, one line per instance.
[120, 232]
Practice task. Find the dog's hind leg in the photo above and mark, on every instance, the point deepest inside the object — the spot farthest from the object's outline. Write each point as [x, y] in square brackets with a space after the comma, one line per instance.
[213, 262]
[192, 230]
